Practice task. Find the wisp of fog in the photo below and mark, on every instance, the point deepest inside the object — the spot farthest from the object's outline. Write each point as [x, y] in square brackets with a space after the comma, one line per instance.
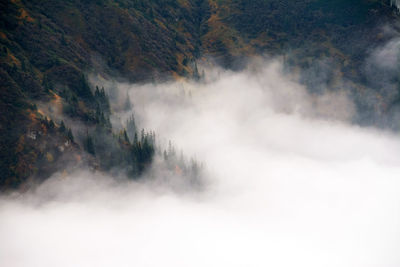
[289, 182]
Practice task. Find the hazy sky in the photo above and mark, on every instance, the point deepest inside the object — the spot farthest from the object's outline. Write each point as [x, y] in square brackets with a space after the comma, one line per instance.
[290, 182]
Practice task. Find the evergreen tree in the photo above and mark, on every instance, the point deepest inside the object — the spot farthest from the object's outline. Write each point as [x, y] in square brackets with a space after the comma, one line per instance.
[46, 122]
[62, 127]
[131, 127]
[125, 135]
[51, 124]
[128, 104]
[89, 145]
[83, 88]
[97, 92]
[196, 74]
[70, 135]
[142, 136]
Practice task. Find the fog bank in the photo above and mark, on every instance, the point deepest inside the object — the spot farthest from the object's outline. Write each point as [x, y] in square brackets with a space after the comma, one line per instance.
[290, 183]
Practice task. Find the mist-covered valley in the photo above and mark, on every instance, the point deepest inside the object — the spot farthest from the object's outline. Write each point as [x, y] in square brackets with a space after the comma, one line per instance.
[288, 180]
[200, 133]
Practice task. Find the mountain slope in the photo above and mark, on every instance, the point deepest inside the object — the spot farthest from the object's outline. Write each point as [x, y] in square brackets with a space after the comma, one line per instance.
[48, 48]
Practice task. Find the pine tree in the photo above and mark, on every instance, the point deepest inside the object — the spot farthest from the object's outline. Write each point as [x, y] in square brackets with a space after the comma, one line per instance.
[70, 135]
[127, 105]
[97, 92]
[62, 127]
[51, 124]
[131, 127]
[89, 145]
[142, 136]
[125, 135]
[196, 74]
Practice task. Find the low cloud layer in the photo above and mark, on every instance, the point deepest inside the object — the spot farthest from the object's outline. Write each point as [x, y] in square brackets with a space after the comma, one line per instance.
[290, 183]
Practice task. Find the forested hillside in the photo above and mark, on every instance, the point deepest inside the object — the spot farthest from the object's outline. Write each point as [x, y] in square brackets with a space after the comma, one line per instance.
[49, 47]
[47, 50]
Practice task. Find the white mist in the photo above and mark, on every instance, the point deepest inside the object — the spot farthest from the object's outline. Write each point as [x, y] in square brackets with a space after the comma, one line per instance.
[291, 183]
